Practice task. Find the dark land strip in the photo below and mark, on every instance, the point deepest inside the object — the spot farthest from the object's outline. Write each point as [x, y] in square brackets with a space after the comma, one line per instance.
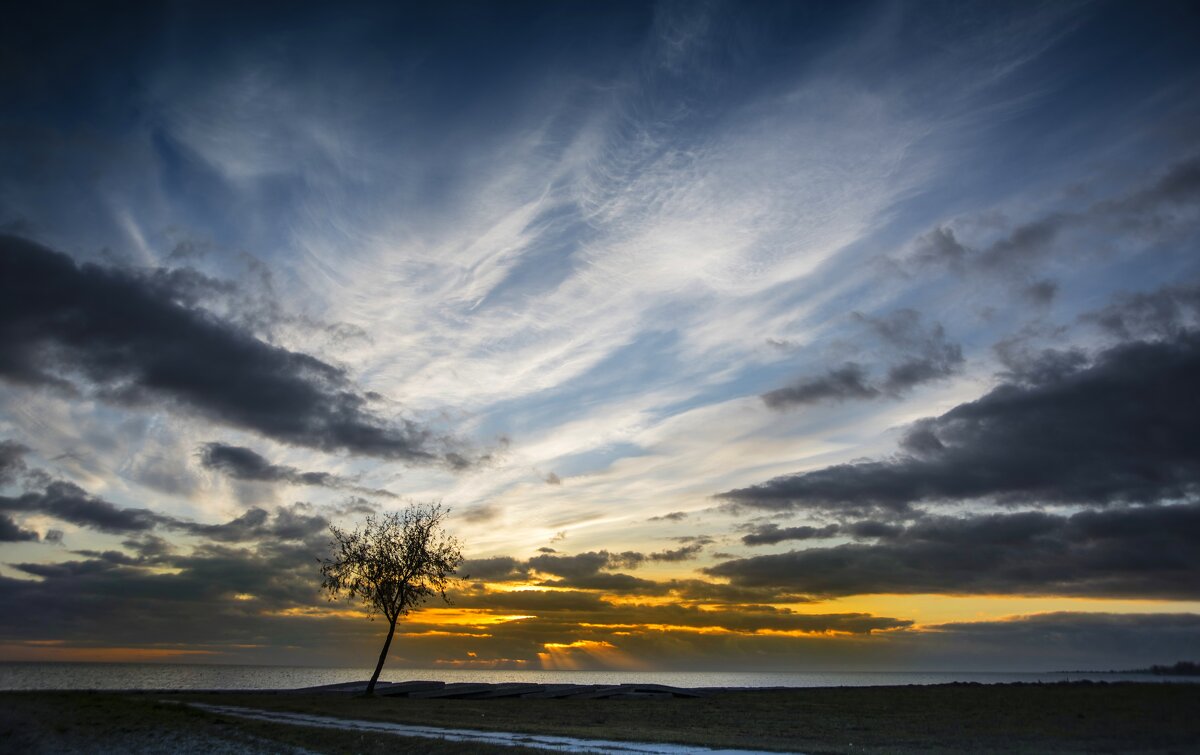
[1058, 717]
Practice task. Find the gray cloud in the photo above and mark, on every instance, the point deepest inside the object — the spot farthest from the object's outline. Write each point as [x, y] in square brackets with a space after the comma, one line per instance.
[11, 532]
[1069, 640]
[1128, 552]
[590, 564]
[12, 460]
[71, 503]
[495, 569]
[245, 464]
[850, 381]
[1152, 208]
[296, 522]
[1121, 429]
[674, 516]
[922, 355]
[141, 338]
[1041, 293]
[1165, 313]
[769, 534]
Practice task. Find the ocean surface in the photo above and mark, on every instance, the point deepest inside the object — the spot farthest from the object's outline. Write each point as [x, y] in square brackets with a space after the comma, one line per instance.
[118, 676]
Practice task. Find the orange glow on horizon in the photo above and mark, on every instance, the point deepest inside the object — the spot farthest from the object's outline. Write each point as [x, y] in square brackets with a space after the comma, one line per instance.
[465, 616]
[928, 609]
[584, 654]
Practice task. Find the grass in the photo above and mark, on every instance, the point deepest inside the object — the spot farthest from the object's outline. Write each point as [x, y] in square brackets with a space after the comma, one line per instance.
[1081, 717]
[109, 722]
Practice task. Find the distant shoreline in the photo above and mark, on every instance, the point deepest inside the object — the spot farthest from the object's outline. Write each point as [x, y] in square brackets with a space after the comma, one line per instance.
[1180, 668]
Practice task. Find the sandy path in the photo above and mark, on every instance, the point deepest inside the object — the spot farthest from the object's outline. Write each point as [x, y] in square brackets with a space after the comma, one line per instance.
[541, 741]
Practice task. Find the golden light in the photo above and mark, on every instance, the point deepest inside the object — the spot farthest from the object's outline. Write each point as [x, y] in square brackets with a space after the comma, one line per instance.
[584, 654]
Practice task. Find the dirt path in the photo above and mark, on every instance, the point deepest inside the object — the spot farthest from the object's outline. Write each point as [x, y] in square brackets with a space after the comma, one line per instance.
[469, 736]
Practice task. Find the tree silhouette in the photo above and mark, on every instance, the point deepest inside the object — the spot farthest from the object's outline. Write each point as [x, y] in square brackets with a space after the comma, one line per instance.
[392, 564]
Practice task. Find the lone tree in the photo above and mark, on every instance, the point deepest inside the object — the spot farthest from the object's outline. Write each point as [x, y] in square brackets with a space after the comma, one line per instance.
[393, 564]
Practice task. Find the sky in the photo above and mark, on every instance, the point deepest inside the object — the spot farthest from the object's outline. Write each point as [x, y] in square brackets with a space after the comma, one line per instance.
[735, 336]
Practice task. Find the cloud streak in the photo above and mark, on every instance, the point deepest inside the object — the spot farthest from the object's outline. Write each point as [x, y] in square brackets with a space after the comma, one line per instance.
[242, 463]
[1117, 430]
[1145, 552]
[135, 340]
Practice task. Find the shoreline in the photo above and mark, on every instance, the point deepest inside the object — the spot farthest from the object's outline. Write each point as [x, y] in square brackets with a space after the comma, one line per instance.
[1020, 717]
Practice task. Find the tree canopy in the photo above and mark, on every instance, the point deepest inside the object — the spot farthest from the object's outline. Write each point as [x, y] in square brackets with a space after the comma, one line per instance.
[392, 564]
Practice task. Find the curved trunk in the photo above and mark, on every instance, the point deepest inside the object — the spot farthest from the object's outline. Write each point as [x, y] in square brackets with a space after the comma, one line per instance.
[382, 657]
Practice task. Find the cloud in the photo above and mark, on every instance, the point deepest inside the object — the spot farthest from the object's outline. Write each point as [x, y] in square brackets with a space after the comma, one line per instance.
[71, 503]
[922, 355]
[1042, 292]
[245, 464]
[494, 569]
[850, 381]
[12, 460]
[674, 516]
[142, 339]
[296, 522]
[10, 532]
[1152, 209]
[1165, 313]
[1120, 430]
[591, 563]
[1069, 640]
[769, 534]
[1144, 552]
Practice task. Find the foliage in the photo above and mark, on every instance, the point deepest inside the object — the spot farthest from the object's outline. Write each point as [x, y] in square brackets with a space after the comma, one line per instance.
[394, 562]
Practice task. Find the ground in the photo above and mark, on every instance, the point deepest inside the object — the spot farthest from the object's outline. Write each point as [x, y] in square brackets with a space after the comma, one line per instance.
[1079, 717]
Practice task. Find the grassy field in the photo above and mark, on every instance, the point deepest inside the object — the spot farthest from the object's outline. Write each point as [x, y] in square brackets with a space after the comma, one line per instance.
[1124, 717]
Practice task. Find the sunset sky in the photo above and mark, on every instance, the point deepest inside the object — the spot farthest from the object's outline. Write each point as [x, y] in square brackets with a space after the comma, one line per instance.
[746, 335]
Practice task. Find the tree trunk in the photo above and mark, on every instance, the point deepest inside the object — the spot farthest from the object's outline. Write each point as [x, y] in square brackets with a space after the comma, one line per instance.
[382, 657]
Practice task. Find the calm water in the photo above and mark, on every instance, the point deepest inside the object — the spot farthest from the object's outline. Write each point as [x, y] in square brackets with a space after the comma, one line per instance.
[15, 676]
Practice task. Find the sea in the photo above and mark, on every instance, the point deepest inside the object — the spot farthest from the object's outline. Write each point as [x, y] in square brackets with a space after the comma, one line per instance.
[162, 676]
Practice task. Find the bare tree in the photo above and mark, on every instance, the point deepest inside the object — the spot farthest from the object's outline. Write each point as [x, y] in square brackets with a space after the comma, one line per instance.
[393, 564]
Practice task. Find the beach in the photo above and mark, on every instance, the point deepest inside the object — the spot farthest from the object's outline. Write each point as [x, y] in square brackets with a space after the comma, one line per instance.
[1061, 717]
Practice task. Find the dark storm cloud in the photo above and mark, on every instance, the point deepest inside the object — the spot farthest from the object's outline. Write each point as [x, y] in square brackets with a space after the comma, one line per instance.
[591, 563]
[71, 503]
[617, 583]
[1145, 552]
[296, 522]
[111, 599]
[1023, 366]
[11, 532]
[1094, 638]
[579, 565]
[1122, 429]
[1110, 630]
[1150, 209]
[769, 534]
[495, 569]
[243, 463]
[137, 338]
[922, 354]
